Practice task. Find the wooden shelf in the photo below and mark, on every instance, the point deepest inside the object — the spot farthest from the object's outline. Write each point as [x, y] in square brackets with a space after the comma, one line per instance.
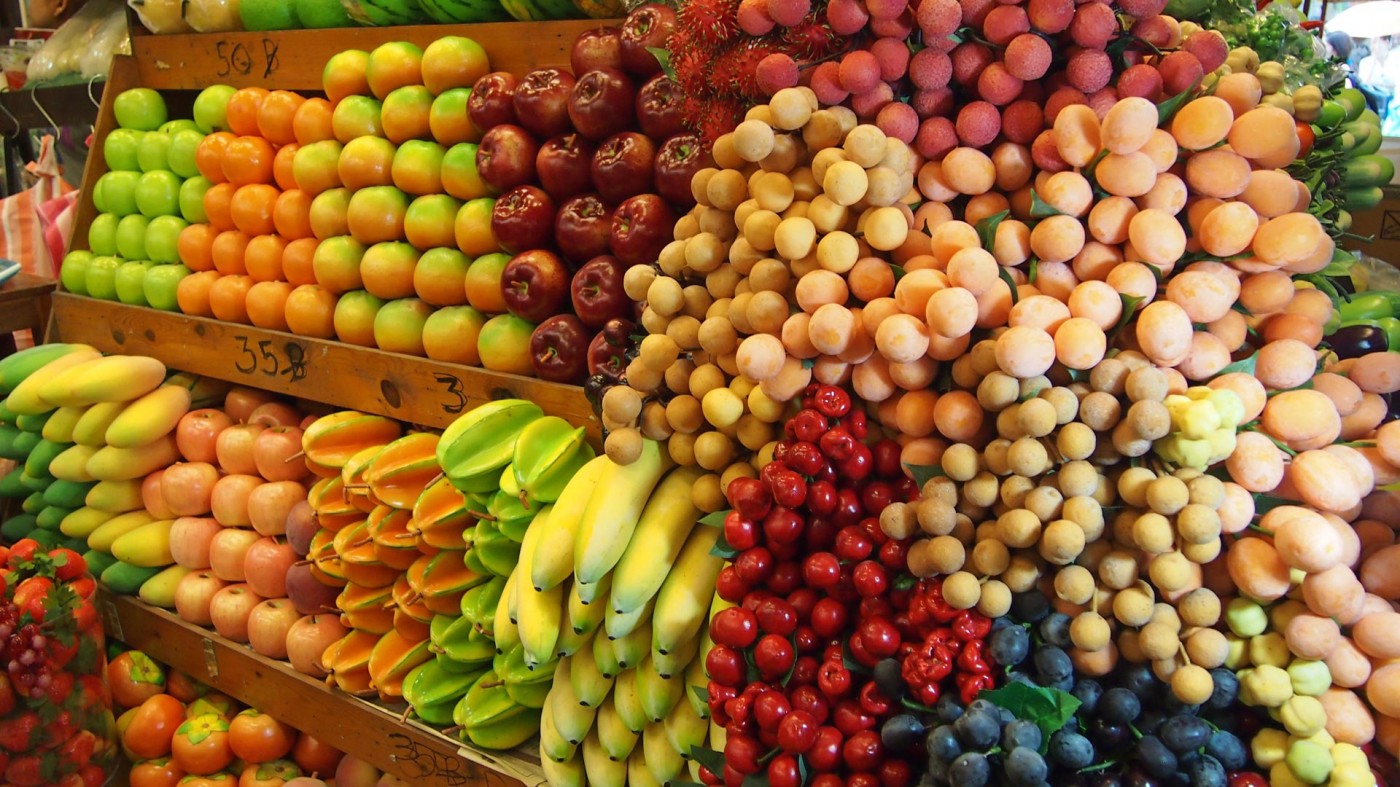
[294, 59]
[419, 754]
[415, 390]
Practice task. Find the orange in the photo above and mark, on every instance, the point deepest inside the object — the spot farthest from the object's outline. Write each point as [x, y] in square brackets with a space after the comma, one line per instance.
[193, 293]
[263, 258]
[473, 228]
[387, 270]
[276, 116]
[248, 160]
[344, 75]
[328, 213]
[312, 121]
[251, 208]
[267, 304]
[218, 203]
[310, 311]
[394, 65]
[336, 264]
[282, 173]
[209, 156]
[291, 215]
[243, 108]
[195, 247]
[296, 261]
[377, 214]
[228, 252]
[228, 298]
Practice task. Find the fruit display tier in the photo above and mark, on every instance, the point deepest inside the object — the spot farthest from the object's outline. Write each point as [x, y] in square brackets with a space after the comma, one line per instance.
[377, 734]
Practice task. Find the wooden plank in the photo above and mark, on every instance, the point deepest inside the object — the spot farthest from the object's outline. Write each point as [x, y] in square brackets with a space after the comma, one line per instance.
[416, 390]
[294, 59]
[411, 751]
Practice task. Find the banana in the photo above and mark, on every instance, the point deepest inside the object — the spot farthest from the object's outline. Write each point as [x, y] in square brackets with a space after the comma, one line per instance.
[16, 367]
[626, 702]
[638, 775]
[613, 512]
[553, 561]
[570, 639]
[618, 625]
[585, 595]
[602, 770]
[102, 538]
[507, 634]
[149, 417]
[586, 677]
[604, 659]
[159, 590]
[666, 522]
[71, 465]
[629, 651]
[115, 497]
[125, 464]
[147, 546]
[662, 759]
[475, 447]
[553, 747]
[572, 718]
[697, 682]
[685, 597]
[537, 614]
[81, 523]
[59, 427]
[659, 696]
[584, 619]
[613, 735]
[26, 397]
[566, 773]
[548, 453]
[685, 728]
[673, 664]
[92, 427]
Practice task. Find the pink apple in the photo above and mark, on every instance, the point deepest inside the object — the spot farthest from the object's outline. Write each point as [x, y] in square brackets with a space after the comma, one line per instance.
[275, 414]
[305, 781]
[265, 567]
[198, 431]
[230, 499]
[354, 772]
[277, 454]
[188, 487]
[241, 401]
[227, 552]
[268, 625]
[195, 595]
[310, 419]
[308, 639]
[270, 504]
[301, 527]
[229, 611]
[190, 539]
[152, 498]
[308, 594]
[234, 448]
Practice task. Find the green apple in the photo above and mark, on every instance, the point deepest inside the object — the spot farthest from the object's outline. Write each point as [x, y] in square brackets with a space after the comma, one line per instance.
[73, 272]
[158, 193]
[130, 281]
[99, 196]
[102, 234]
[162, 285]
[210, 108]
[163, 239]
[121, 149]
[101, 278]
[183, 145]
[140, 108]
[355, 317]
[154, 152]
[131, 237]
[192, 199]
[119, 192]
[173, 127]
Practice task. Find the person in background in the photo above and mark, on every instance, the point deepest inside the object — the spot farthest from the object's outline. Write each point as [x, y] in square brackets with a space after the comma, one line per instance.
[1339, 46]
[1373, 76]
[50, 13]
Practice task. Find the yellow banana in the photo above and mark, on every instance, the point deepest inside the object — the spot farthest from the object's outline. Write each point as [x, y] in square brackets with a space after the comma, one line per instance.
[568, 773]
[26, 397]
[91, 428]
[684, 600]
[638, 775]
[149, 417]
[718, 737]
[589, 592]
[629, 651]
[590, 685]
[507, 634]
[603, 656]
[685, 728]
[147, 546]
[71, 465]
[613, 511]
[159, 590]
[125, 464]
[537, 614]
[59, 427]
[553, 746]
[116, 378]
[659, 696]
[613, 735]
[618, 625]
[553, 561]
[666, 521]
[602, 770]
[664, 762]
[626, 702]
[116, 497]
[673, 664]
[570, 638]
[572, 719]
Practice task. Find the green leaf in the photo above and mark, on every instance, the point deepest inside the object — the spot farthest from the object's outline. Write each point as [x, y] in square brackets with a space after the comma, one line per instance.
[808, 363]
[701, 693]
[1156, 271]
[898, 271]
[709, 758]
[987, 228]
[1168, 108]
[1033, 270]
[1042, 209]
[1341, 265]
[1010, 284]
[1130, 304]
[1245, 366]
[664, 58]
[905, 581]
[922, 473]
[715, 519]
[1263, 504]
[1049, 709]
[722, 549]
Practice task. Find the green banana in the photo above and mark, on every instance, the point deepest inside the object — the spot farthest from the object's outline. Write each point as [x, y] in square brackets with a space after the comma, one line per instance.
[475, 447]
[34, 483]
[595, 661]
[664, 762]
[37, 464]
[9, 434]
[10, 485]
[553, 747]
[627, 703]
[7, 416]
[549, 452]
[33, 423]
[659, 696]
[685, 728]
[17, 527]
[572, 718]
[614, 736]
[602, 770]
[554, 552]
[497, 553]
[673, 663]
[618, 625]
[629, 651]
[562, 773]
[50, 517]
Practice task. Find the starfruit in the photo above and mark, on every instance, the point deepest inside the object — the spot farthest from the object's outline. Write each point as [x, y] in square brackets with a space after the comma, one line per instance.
[391, 661]
[511, 515]
[394, 546]
[481, 442]
[399, 474]
[497, 552]
[487, 702]
[547, 455]
[440, 516]
[479, 604]
[352, 478]
[463, 643]
[332, 439]
[434, 691]
[333, 509]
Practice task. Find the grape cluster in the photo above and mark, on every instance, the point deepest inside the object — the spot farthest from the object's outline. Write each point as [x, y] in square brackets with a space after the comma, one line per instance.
[986, 744]
[25, 654]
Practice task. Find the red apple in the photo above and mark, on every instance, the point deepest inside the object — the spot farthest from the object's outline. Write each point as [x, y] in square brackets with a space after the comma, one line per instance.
[277, 454]
[600, 47]
[271, 504]
[228, 551]
[542, 101]
[229, 611]
[582, 228]
[535, 284]
[268, 625]
[308, 639]
[602, 103]
[492, 102]
[680, 158]
[241, 401]
[641, 227]
[152, 497]
[505, 158]
[622, 166]
[559, 349]
[197, 431]
[190, 539]
[563, 166]
[606, 358]
[659, 108]
[187, 487]
[308, 594]
[194, 596]
[301, 526]
[230, 499]
[596, 292]
[265, 567]
[522, 219]
[234, 448]
[646, 28]
[275, 414]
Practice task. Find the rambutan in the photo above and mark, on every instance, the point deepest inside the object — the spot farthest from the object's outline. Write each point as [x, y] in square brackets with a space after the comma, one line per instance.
[717, 117]
[693, 67]
[736, 71]
[811, 39]
[705, 23]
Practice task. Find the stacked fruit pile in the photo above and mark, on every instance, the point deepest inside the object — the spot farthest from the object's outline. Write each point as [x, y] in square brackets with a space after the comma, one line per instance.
[219, 16]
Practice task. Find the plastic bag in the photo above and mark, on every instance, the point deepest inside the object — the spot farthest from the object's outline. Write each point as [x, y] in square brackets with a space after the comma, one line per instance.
[84, 44]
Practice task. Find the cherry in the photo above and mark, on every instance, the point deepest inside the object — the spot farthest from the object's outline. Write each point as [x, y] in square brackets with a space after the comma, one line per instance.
[871, 527]
[736, 627]
[807, 425]
[804, 671]
[741, 752]
[829, 618]
[863, 780]
[754, 565]
[894, 555]
[825, 754]
[907, 489]
[789, 489]
[886, 456]
[771, 471]
[810, 700]
[806, 640]
[802, 600]
[739, 531]
[821, 570]
[859, 465]
[870, 578]
[880, 636]
[848, 507]
[770, 708]
[833, 679]
[821, 497]
[895, 773]
[755, 597]
[719, 695]
[729, 586]
[862, 751]
[850, 718]
[785, 550]
[773, 655]
[776, 616]
[804, 457]
[857, 424]
[725, 666]
[873, 702]
[749, 497]
[831, 401]
[821, 532]
[783, 525]
[852, 544]
[740, 710]
[733, 777]
[783, 771]
[858, 652]
[838, 444]
[828, 780]
[797, 732]
[876, 495]
[787, 576]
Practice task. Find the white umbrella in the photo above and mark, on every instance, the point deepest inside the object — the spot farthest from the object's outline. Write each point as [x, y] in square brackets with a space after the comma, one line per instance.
[1368, 20]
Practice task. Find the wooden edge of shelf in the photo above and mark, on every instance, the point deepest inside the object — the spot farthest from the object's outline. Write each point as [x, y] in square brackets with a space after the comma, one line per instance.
[415, 390]
[374, 733]
[294, 59]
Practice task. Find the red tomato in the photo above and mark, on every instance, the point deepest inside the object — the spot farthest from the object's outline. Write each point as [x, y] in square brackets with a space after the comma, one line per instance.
[153, 726]
[163, 772]
[73, 564]
[135, 678]
[268, 774]
[316, 757]
[257, 737]
[201, 745]
[31, 594]
[1306, 138]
